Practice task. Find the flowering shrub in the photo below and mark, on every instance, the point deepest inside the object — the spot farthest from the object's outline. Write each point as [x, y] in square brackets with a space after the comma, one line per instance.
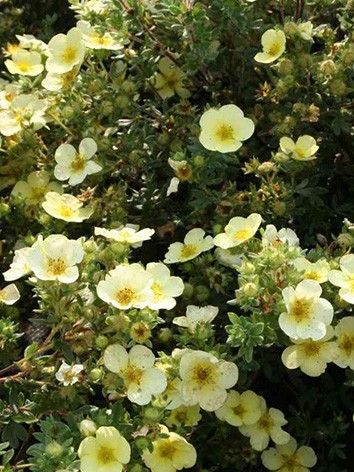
[177, 276]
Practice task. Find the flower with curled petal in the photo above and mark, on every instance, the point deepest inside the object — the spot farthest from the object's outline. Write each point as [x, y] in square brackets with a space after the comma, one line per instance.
[195, 242]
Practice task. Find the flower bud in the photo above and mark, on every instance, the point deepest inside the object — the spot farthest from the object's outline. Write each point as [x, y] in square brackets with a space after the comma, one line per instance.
[87, 427]
[53, 449]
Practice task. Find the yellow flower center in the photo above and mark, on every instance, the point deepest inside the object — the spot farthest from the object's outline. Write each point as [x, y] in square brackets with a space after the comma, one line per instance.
[166, 449]
[69, 375]
[105, 455]
[125, 296]
[311, 274]
[181, 416]
[78, 163]
[189, 250]
[274, 49]
[56, 266]
[311, 349]
[37, 193]
[239, 410]
[225, 132]
[140, 332]
[132, 374]
[101, 40]
[346, 344]
[183, 173]
[242, 234]
[24, 66]
[69, 54]
[203, 375]
[66, 211]
[290, 463]
[156, 288]
[300, 152]
[300, 309]
[266, 422]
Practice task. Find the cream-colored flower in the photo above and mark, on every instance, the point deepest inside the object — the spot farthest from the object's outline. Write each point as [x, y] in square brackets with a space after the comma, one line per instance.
[186, 415]
[55, 258]
[317, 271]
[69, 375]
[344, 278]
[75, 166]
[66, 207]
[289, 458]
[269, 426]
[128, 234]
[55, 82]
[304, 149]
[238, 230]
[169, 81]
[273, 44]
[224, 129]
[307, 314]
[9, 295]
[171, 398]
[227, 258]
[205, 379]
[311, 356]
[7, 95]
[127, 286]
[28, 41]
[194, 244]
[196, 316]
[272, 236]
[19, 266]
[305, 30]
[25, 63]
[141, 378]
[65, 51]
[107, 452]
[87, 427]
[26, 111]
[93, 39]
[344, 332]
[170, 454]
[165, 286]
[240, 409]
[33, 190]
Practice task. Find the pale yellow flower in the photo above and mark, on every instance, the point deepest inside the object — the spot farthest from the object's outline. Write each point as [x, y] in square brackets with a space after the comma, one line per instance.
[205, 379]
[311, 356]
[69, 375]
[25, 62]
[344, 278]
[224, 129]
[107, 452]
[238, 230]
[307, 314]
[65, 51]
[25, 111]
[33, 190]
[194, 244]
[66, 207]
[93, 39]
[269, 426]
[9, 295]
[273, 44]
[186, 415]
[128, 234]
[19, 266]
[165, 287]
[170, 454]
[317, 271]
[304, 149]
[344, 332]
[141, 378]
[196, 316]
[240, 409]
[272, 236]
[169, 81]
[289, 458]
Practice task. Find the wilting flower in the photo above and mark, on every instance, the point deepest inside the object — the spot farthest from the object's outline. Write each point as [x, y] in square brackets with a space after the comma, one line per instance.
[107, 452]
[344, 278]
[141, 378]
[25, 63]
[170, 454]
[269, 426]
[33, 190]
[273, 44]
[224, 129]
[165, 286]
[169, 81]
[311, 356]
[239, 409]
[69, 375]
[196, 316]
[344, 332]
[19, 266]
[194, 244]
[66, 207]
[307, 314]
[9, 294]
[127, 286]
[238, 230]
[65, 51]
[317, 271]
[128, 234]
[55, 258]
[205, 379]
[272, 236]
[304, 149]
[289, 458]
